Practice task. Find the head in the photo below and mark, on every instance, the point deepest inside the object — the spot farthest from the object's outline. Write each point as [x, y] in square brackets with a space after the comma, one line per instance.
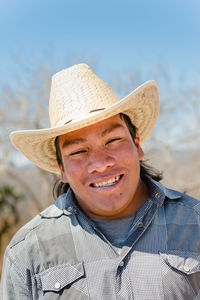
[102, 164]
[79, 100]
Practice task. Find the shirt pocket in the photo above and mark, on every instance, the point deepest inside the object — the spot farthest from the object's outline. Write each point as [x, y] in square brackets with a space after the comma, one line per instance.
[185, 262]
[66, 280]
[181, 274]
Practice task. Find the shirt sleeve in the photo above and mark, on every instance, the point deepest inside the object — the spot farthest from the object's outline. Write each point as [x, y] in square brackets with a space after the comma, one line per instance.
[13, 286]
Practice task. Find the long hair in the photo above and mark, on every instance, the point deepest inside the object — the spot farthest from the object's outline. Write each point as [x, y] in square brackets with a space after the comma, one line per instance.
[145, 169]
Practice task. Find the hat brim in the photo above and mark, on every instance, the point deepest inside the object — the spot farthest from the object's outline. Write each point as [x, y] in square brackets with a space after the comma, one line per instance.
[142, 106]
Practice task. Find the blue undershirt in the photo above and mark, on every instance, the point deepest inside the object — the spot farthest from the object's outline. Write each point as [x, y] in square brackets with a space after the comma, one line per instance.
[115, 230]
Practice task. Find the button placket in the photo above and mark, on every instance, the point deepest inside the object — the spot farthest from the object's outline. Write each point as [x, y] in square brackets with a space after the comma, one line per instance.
[140, 225]
[121, 264]
[70, 209]
[157, 195]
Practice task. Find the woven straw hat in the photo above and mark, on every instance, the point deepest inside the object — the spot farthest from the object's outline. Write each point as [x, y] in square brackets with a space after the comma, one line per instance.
[79, 98]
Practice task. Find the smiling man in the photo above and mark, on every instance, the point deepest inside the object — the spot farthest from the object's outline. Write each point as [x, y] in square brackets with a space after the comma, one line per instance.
[114, 231]
[101, 165]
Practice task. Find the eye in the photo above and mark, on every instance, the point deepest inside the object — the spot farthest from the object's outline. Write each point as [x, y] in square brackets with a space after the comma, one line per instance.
[77, 152]
[113, 140]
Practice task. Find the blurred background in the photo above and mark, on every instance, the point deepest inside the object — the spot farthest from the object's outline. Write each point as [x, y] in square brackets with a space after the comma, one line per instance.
[126, 43]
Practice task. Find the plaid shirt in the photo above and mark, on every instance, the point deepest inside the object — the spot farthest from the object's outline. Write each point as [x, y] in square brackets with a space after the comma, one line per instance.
[60, 254]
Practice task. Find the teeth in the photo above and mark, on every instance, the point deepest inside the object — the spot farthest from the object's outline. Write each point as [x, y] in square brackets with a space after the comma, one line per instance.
[107, 183]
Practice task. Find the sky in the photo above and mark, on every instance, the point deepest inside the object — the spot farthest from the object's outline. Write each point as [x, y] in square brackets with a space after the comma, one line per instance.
[116, 35]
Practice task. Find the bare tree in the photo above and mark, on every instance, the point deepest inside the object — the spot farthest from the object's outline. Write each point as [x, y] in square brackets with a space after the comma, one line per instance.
[24, 106]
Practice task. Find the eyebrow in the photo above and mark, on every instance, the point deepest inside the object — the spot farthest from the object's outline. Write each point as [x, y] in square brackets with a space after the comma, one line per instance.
[111, 128]
[72, 142]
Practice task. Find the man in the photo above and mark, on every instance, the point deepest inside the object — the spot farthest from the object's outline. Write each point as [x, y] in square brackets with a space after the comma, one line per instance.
[114, 232]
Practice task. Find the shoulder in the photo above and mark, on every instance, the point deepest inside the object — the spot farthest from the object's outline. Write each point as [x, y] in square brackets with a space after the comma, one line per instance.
[182, 218]
[179, 208]
[46, 226]
[182, 201]
[44, 242]
[41, 241]
[173, 199]
[45, 219]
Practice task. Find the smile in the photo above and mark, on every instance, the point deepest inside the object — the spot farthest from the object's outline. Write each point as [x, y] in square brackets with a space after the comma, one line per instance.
[109, 182]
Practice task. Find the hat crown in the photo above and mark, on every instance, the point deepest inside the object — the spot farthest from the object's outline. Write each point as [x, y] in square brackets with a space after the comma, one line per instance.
[77, 92]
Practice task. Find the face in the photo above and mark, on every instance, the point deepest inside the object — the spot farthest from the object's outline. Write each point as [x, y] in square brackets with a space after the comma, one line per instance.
[101, 163]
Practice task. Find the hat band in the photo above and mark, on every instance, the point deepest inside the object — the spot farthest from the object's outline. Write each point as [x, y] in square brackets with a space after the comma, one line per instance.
[92, 111]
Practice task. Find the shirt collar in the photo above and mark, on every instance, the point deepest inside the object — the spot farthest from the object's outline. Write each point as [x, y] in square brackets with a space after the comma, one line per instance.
[157, 188]
[66, 203]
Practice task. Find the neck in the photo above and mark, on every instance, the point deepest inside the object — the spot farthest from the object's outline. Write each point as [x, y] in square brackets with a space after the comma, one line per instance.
[140, 196]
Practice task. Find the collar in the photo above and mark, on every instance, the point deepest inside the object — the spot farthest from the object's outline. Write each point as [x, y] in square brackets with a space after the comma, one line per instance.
[66, 203]
[168, 193]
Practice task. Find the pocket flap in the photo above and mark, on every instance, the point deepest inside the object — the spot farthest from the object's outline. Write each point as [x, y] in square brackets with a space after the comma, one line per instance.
[58, 277]
[185, 262]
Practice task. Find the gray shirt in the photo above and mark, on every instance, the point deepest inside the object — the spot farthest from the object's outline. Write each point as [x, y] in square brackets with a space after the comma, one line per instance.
[60, 254]
[116, 231]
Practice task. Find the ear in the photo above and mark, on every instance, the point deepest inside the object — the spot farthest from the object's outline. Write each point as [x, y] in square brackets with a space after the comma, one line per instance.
[62, 173]
[139, 149]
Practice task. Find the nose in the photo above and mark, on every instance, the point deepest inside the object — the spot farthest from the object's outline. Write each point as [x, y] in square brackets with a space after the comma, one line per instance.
[99, 162]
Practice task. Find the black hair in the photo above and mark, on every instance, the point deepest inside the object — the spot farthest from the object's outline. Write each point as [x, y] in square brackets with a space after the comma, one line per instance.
[145, 169]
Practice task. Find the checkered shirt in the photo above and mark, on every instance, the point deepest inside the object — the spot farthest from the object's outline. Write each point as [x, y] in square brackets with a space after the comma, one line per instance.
[60, 254]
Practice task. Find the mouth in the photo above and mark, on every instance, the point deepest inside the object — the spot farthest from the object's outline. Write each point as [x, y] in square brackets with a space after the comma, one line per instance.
[106, 183]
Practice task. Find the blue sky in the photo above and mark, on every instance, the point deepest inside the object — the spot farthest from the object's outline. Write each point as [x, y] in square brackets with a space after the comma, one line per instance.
[118, 35]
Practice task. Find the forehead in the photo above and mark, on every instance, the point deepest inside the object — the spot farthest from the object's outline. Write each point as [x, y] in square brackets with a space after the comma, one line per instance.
[100, 128]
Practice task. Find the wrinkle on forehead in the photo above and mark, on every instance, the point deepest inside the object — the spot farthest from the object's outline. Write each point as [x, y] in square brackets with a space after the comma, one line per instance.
[101, 129]
[77, 140]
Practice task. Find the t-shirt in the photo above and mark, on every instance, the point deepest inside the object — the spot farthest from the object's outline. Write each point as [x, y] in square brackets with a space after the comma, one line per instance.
[115, 230]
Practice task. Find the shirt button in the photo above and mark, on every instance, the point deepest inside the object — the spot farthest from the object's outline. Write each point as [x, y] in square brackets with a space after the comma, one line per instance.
[121, 264]
[70, 209]
[186, 268]
[57, 285]
[140, 224]
[157, 195]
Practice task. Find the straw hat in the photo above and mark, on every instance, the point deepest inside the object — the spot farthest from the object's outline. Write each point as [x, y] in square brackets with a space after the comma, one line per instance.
[79, 98]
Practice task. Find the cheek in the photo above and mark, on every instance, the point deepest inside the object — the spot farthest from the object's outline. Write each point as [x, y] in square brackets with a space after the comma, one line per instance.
[74, 170]
[129, 154]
